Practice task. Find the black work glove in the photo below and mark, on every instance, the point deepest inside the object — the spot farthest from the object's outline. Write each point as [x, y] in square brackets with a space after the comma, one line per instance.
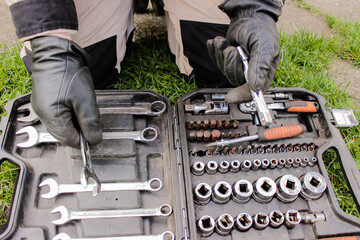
[253, 27]
[63, 93]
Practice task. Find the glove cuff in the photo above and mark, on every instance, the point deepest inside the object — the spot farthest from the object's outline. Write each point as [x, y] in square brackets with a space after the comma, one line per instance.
[249, 8]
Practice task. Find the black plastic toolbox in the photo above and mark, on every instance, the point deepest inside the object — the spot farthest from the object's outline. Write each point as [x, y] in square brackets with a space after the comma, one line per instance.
[170, 158]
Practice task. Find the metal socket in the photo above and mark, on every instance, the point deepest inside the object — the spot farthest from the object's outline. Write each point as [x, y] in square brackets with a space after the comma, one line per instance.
[276, 218]
[206, 225]
[198, 168]
[304, 162]
[265, 164]
[289, 163]
[243, 222]
[221, 192]
[273, 163]
[224, 224]
[264, 189]
[292, 218]
[281, 163]
[202, 193]
[288, 188]
[313, 161]
[235, 166]
[296, 162]
[256, 164]
[260, 221]
[313, 185]
[242, 191]
[223, 166]
[246, 165]
[211, 167]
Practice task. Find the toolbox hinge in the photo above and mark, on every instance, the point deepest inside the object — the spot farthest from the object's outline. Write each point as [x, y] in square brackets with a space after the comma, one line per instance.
[180, 173]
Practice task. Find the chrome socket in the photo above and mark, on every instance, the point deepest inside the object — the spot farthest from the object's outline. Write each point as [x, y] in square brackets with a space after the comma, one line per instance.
[276, 218]
[281, 163]
[202, 193]
[292, 218]
[313, 185]
[289, 163]
[223, 166]
[224, 224]
[243, 222]
[297, 162]
[288, 188]
[273, 163]
[221, 192]
[242, 191]
[260, 221]
[206, 225]
[265, 164]
[235, 166]
[264, 189]
[211, 167]
[304, 162]
[313, 161]
[246, 165]
[256, 164]
[198, 168]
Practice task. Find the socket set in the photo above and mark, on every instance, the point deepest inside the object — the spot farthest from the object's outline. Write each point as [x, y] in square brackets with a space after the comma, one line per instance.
[202, 169]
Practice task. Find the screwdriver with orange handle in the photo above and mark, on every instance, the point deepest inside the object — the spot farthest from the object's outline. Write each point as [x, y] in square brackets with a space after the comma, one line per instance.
[296, 106]
[271, 134]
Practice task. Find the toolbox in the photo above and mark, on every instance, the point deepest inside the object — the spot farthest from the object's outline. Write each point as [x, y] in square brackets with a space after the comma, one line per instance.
[181, 185]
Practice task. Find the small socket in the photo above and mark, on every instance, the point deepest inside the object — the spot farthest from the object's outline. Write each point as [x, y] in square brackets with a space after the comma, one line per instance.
[235, 166]
[211, 167]
[313, 161]
[224, 224]
[246, 165]
[202, 193]
[292, 218]
[313, 185]
[265, 164]
[273, 163]
[221, 192]
[198, 168]
[242, 191]
[289, 163]
[288, 188]
[243, 222]
[304, 162]
[223, 166]
[264, 189]
[296, 162]
[260, 221]
[276, 218]
[206, 225]
[256, 164]
[281, 163]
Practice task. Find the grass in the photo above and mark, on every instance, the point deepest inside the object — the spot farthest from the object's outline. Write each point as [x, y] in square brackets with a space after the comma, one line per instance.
[305, 60]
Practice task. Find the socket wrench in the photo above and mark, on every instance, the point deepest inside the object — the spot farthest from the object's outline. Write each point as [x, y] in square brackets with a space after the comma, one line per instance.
[198, 168]
[206, 225]
[224, 224]
[276, 218]
[243, 222]
[264, 189]
[242, 191]
[164, 236]
[261, 221]
[221, 192]
[55, 189]
[202, 193]
[66, 215]
[292, 218]
[288, 188]
[313, 185]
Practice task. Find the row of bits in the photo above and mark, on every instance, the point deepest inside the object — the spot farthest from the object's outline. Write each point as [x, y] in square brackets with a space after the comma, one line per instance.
[212, 124]
[212, 167]
[286, 188]
[253, 149]
[225, 223]
[213, 135]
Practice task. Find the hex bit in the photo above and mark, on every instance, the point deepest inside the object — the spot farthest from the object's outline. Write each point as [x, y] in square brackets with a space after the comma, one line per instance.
[225, 151]
[235, 124]
[240, 150]
[192, 136]
[207, 136]
[193, 153]
[206, 124]
[215, 135]
[209, 152]
[247, 150]
[199, 136]
[219, 125]
[198, 125]
[232, 151]
[213, 124]
[227, 124]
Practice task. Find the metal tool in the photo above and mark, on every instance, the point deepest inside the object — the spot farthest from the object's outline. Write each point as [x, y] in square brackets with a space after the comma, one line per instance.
[223, 166]
[55, 189]
[313, 185]
[288, 188]
[198, 168]
[264, 189]
[246, 165]
[202, 193]
[243, 222]
[292, 218]
[242, 191]
[290, 106]
[211, 167]
[276, 218]
[164, 236]
[66, 215]
[221, 192]
[224, 224]
[264, 135]
[256, 164]
[206, 225]
[36, 137]
[235, 166]
[312, 217]
[31, 118]
[208, 107]
[260, 221]
[155, 108]
[262, 111]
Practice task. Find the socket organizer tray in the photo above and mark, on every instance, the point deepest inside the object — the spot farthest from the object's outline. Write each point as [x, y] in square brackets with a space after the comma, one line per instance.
[183, 178]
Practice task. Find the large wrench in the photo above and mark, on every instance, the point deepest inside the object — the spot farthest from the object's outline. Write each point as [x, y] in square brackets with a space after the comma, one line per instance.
[164, 236]
[155, 108]
[153, 185]
[66, 215]
[149, 134]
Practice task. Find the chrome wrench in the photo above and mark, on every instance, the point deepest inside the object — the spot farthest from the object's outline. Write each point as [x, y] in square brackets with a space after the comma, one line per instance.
[66, 215]
[164, 236]
[153, 185]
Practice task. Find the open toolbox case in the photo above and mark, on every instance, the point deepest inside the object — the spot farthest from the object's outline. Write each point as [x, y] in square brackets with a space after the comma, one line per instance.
[170, 158]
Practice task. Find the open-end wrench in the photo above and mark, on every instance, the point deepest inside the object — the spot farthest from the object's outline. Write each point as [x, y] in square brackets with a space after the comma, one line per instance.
[66, 215]
[164, 236]
[87, 175]
[31, 117]
[149, 134]
[153, 185]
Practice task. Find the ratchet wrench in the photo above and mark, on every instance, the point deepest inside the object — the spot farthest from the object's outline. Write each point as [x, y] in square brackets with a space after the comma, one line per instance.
[164, 236]
[153, 185]
[66, 215]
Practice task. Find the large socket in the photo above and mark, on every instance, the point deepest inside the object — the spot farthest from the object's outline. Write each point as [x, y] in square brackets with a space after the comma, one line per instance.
[313, 185]
[288, 188]
[264, 189]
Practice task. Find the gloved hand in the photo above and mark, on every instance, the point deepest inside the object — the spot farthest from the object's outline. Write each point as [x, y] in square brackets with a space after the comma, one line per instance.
[253, 27]
[63, 93]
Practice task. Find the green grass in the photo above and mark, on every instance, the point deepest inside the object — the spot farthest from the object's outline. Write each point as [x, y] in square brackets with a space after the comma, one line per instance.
[305, 60]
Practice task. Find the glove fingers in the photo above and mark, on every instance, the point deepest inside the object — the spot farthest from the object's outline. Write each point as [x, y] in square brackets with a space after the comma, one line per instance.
[239, 95]
[233, 67]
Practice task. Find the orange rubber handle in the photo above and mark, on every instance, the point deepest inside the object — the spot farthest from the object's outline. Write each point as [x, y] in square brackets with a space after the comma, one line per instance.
[341, 238]
[301, 106]
[281, 132]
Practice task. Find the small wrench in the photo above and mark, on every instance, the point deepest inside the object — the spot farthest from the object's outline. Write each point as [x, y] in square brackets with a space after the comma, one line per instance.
[66, 215]
[31, 118]
[153, 185]
[149, 134]
[164, 236]
[87, 175]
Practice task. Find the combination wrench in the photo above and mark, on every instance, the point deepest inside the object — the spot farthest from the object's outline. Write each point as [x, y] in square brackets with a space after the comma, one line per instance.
[36, 137]
[55, 189]
[164, 236]
[66, 215]
[155, 108]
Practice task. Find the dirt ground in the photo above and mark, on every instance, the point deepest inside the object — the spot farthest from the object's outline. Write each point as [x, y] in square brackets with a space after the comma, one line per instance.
[292, 19]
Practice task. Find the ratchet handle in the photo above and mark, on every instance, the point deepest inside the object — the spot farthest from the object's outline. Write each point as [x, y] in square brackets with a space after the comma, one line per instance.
[281, 132]
[301, 106]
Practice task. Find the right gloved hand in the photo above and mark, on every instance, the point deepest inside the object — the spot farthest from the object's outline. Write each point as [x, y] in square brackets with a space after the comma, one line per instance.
[63, 93]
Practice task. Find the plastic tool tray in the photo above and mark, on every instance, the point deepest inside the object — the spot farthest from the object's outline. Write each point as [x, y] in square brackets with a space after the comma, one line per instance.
[176, 158]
